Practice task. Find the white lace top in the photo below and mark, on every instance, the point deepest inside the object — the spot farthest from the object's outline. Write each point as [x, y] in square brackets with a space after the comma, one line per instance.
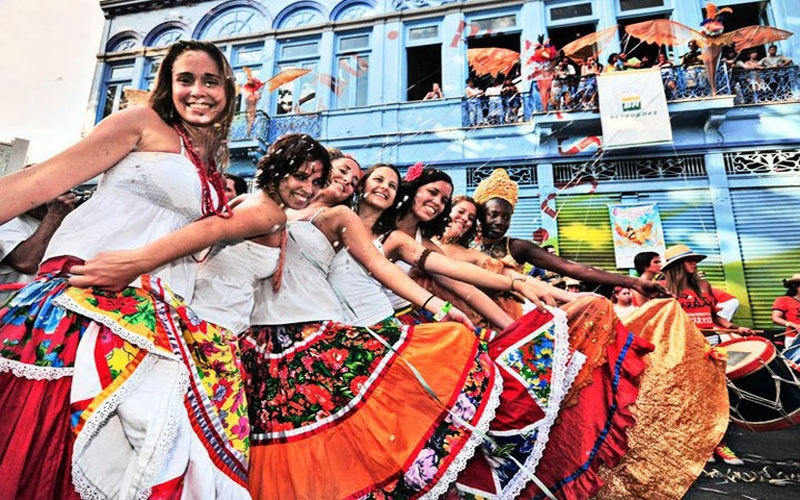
[145, 196]
[224, 291]
[357, 289]
[304, 294]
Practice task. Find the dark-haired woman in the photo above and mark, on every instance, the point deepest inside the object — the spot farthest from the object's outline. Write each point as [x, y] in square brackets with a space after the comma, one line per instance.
[786, 311]
[77, 387]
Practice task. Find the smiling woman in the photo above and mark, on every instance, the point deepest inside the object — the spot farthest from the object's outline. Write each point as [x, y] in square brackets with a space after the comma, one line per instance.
[68, 410]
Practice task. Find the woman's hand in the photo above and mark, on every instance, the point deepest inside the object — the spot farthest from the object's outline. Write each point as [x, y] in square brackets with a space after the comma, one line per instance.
[741, 330]
[538, 296]
[650, 289]
[111, 271]
[456, 315]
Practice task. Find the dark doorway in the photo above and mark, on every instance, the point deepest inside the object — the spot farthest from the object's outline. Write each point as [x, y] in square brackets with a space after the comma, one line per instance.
[424, 65]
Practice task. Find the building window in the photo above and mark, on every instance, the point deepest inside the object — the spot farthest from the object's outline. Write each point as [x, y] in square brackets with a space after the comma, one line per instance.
[151, 66]
[495, 23]
[352, 81]
[123, 44]
[626, 5]
[232, 22]
[241, 56]
[298, 94]
[302, 17]
[356, 11]
[570, 11]
[118, 77]
[423, 60]
[166, 37]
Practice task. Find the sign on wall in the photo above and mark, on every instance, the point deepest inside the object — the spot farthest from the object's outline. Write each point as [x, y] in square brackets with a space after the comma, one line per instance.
[633, 108]
[635, 228]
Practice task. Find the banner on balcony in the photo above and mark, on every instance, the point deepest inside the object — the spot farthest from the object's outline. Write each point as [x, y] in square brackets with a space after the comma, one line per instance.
[635, 228]
[633, 108]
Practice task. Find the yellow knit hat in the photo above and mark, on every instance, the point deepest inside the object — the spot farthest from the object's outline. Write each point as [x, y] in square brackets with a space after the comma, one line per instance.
[497, 185]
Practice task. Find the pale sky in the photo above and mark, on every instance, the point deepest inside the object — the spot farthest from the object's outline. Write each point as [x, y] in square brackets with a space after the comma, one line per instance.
[47, 64]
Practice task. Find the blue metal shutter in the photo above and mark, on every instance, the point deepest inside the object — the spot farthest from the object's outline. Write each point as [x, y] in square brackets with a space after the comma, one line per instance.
[687, 217]
[769, 235]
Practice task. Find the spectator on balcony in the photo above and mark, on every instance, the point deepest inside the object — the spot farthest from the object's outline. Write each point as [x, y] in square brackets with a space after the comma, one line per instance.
[495, 101]
[667, 74]
[587, 87]
[615, 63]
[730, 58]
[693, 57]
[511, 99]
[753, 62]
[435, 93]
[561, 88]
[773, 60]
[474, 97]
[234, 186]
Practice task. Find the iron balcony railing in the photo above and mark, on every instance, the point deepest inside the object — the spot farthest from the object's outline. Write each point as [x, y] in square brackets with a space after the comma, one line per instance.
[580, 94]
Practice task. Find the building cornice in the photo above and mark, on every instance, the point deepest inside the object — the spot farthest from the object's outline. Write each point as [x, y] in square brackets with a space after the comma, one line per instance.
[112, 8]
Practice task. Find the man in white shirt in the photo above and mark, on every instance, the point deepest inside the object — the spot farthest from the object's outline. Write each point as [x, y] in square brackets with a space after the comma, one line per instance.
[24, 239]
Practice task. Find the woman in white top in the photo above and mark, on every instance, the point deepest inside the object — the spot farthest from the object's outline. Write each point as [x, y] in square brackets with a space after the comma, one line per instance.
[94, 400]
[339, 411]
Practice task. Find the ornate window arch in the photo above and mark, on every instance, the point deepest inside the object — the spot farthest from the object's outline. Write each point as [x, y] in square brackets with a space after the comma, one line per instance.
[238, 17]
[350, 10]
[165, 34]
[298, 14]
[126, 40]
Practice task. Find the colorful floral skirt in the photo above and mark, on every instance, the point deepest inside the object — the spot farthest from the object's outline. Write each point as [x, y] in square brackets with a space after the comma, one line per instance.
[343, 412]
[123, 394]
[538, 368]
[594, 420]
[682, 410]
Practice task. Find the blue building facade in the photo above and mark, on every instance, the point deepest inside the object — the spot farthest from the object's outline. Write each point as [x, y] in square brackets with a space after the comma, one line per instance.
[728, 185]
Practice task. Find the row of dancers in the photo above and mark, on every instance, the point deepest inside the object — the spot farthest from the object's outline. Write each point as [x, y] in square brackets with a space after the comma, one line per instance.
[286, 345]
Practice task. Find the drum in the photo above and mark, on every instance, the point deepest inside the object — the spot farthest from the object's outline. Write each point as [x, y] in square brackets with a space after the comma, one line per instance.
[764, 392]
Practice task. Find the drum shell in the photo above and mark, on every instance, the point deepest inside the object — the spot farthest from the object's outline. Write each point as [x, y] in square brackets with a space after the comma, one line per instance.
[756, 378]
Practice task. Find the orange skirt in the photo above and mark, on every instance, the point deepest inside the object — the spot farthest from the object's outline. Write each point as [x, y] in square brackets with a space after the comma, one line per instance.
[343, 412]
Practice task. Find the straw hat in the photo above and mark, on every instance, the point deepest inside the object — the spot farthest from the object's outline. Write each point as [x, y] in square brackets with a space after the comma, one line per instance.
[680, 252]
[794, 279]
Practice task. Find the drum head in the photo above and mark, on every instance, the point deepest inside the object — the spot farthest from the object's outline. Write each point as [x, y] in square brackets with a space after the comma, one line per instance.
[747, 355]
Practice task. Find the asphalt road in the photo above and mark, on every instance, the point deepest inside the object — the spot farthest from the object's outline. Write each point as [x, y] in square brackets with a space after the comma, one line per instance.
[768, 455]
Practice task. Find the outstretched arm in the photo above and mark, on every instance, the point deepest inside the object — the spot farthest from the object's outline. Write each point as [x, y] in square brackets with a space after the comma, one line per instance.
[525, 251]
[476, 299]
[254, 215]
[407, 249]
[351, 231]
[109, 142]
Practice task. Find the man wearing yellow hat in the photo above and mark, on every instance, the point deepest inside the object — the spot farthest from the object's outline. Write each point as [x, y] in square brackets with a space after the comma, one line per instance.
[497, 196]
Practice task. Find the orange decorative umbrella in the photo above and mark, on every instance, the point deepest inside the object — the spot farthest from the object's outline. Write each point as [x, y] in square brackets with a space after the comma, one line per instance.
[663, 32]
[492, 60]
[586, 46]
[753, 36]
[286, 76]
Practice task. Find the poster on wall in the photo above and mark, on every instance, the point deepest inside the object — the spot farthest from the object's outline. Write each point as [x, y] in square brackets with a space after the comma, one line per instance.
[633, 109]
[635, 228]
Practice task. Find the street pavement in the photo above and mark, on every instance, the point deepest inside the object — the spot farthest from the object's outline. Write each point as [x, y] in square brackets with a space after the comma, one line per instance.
[771, 470]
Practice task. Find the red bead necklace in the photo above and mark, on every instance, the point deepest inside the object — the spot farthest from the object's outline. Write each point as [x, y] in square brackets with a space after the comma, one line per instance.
[209, 177]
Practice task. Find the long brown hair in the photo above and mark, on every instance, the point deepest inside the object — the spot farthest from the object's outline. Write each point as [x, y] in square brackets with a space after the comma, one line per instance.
[678, 279]
[469, 235]
[215, 145]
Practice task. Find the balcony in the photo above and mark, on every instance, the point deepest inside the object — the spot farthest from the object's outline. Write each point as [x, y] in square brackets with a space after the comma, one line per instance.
[249, 141]
[680, 84]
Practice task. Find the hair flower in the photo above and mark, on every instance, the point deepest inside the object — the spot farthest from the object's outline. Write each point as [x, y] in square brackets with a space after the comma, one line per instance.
[414, 172]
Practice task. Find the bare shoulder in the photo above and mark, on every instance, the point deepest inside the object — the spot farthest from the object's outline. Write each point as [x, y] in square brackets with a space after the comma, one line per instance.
[258, 204]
